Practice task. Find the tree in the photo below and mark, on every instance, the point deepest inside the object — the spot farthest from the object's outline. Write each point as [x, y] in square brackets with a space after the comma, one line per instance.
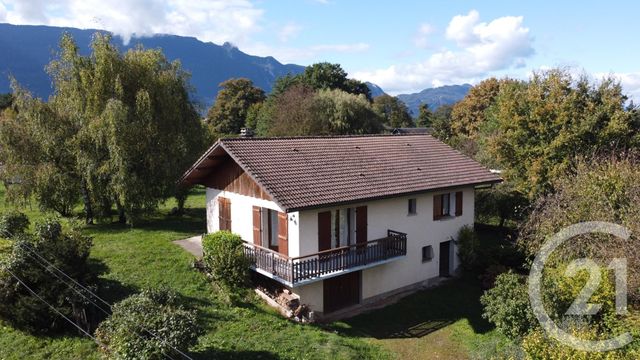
[301, 111]
[119, 129]
[469, 113]
[236, 97]
[5, 101]
[393, 111]
[323, 75]
[289, 114]
[535, 131]
[343, 113]
[68, 251]
[37, 148]
[605, 188]
[425, 117]
[441, 123]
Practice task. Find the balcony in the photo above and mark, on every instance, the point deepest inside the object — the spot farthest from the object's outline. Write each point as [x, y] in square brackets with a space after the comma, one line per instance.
[309, 268]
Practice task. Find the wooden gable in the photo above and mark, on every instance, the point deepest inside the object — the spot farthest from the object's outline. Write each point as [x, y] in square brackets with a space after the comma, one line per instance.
[229, 176]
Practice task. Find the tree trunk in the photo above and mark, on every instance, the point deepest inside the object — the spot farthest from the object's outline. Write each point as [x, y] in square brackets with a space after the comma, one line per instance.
[122, 217]
[88, 208]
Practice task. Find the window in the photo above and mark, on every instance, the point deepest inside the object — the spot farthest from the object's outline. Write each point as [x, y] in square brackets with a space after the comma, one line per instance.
[413, 206]
[269, 229]
[441, 206]
[446, 203]
[427, 253]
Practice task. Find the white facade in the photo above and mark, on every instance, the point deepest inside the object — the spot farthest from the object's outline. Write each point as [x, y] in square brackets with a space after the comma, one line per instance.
[382, 215]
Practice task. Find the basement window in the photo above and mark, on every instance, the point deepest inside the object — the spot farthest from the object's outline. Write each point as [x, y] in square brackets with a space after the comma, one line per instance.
[427, 253]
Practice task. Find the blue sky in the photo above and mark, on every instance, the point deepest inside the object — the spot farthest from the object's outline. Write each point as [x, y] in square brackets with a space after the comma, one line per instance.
[404, 46]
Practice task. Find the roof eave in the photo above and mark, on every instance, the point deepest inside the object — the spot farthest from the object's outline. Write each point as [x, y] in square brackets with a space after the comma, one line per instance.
[383, 197]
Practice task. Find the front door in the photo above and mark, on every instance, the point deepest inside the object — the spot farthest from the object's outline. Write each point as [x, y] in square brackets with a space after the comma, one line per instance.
[445, 259]
[341, 292]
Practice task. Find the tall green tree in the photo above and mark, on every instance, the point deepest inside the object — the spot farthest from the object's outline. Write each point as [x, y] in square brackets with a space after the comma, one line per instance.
[425, 117]
[119, 129]
[393, 111]
[37, 150]
[229, 113]
[441, 123]
[535, 130]
[469, 113]
[302, 111]
[323, 75]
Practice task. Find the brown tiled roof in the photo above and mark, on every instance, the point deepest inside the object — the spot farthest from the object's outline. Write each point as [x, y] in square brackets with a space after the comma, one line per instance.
[307, 172]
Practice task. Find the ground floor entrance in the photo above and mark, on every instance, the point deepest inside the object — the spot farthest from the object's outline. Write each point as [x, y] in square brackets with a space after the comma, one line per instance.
[445, 258]
[341, 291]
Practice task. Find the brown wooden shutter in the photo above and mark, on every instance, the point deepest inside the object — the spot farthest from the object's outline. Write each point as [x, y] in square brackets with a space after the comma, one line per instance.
[283, 233]
[361, 224]
[257, 226]
[437, 207]
[458, 203]
[324, 230]
[224, 213]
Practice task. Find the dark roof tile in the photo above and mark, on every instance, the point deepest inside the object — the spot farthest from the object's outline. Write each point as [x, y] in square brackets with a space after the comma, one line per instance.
[310, 172]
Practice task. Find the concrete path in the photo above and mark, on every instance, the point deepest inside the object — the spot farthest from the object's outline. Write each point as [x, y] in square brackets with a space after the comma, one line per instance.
[192, 245]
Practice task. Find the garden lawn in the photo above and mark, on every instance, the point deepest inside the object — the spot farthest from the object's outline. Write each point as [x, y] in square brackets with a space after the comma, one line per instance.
[438, 323]
[129, 259]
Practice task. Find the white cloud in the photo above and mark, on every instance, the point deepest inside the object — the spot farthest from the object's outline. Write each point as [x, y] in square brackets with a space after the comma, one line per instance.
[421, 39]
[217, 21]
[461, 28]
[289, 31]
[481, 48]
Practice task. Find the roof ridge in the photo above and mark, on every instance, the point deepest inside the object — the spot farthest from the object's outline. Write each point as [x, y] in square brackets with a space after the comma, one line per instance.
[358, 136]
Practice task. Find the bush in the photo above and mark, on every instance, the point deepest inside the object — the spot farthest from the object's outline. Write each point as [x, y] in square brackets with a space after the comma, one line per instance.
[507, 306]
[538, 345]
[148, 325]
[224, 258]
[13, 223]
[468, 248]
[68, 251]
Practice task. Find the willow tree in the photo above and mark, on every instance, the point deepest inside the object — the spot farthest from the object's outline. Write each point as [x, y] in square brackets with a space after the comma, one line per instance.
[131, 127]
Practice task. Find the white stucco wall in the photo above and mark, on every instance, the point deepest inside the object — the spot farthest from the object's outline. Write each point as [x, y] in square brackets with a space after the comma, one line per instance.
[420, 228]
[242, 215]
[382, 215]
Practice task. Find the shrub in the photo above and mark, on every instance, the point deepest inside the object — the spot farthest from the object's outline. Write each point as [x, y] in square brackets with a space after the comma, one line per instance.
[13, 223]
[468, 248]
[67, 251]
[224, 258]
[148, 325]
[538, 345]
[507, 306]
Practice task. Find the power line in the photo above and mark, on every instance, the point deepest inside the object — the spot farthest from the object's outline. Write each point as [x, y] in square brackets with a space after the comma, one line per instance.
[33, 251]
[54, 309]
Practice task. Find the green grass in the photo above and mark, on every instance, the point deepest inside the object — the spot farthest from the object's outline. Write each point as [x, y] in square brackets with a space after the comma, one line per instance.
[438, 323]
[133, 258]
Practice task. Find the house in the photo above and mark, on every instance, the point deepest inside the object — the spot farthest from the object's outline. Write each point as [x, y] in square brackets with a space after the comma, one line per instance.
[343, 220]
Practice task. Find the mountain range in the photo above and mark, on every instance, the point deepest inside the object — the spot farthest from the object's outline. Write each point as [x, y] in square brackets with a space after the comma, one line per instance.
[434, 97]
[27, 49]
